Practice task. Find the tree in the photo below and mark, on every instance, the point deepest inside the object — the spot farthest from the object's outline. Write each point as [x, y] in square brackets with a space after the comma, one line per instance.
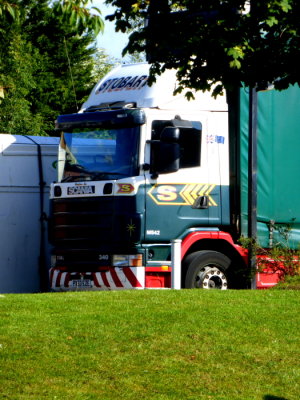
[78, 15]
[216, 43]
[42, 41]
[102, 64]
[8, 8]
[75, 13]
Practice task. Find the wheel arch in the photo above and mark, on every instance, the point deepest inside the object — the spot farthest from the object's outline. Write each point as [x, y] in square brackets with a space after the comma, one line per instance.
[221, 243]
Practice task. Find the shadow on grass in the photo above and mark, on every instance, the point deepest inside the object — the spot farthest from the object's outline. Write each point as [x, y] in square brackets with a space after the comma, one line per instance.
[270, 397]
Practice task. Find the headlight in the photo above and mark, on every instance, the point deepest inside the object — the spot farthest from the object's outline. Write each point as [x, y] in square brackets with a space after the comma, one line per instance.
[127, 260]
[55, 259]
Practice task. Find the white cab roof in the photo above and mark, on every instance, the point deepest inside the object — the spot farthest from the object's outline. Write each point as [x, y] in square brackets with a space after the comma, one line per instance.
[128, 83]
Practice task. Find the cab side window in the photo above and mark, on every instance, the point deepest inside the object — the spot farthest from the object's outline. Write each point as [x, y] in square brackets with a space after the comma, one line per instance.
[189, 140]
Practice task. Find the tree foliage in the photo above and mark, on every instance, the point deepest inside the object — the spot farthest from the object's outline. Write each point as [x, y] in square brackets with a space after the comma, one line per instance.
[216, 43]
[8, 8]
[47, 55]
[78, 14]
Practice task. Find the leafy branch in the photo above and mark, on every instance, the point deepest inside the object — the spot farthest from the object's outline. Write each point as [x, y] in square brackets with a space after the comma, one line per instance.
[281, 258]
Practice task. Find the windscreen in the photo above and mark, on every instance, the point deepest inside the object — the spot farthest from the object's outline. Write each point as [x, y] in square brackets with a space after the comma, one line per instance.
[98, 154]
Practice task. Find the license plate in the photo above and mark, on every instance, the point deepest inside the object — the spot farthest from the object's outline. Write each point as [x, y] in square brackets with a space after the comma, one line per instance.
[86, 189]
[81, 283]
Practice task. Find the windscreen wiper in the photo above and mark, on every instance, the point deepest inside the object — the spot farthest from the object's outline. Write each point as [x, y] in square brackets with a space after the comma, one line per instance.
[73, 178]
[105, 175]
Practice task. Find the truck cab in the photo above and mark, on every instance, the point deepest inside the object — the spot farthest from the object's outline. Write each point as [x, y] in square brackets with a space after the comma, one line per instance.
[137, 168]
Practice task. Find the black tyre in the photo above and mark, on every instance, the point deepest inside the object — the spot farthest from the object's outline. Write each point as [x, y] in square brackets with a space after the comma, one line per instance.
[207, 270]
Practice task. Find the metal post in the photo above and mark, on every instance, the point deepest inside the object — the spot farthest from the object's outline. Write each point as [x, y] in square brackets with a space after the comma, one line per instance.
[176, 264]
[252, 180]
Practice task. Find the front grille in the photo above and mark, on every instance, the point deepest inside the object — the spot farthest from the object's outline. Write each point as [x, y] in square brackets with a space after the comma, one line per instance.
[76, 222]
[81, 229]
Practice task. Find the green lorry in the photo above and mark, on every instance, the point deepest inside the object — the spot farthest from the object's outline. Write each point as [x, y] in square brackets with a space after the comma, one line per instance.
[140, 169]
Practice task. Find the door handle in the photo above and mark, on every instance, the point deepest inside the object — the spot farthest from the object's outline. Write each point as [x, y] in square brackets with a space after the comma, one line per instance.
[201, 203]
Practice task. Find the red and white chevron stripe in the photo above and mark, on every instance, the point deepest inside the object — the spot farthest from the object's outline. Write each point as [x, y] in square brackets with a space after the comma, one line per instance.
[112, 279]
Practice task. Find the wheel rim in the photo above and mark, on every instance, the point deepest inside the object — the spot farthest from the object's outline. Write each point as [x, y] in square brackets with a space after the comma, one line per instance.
[211, 278]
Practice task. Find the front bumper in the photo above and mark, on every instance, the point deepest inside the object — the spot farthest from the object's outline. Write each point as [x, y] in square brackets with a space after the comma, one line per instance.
[113, 278]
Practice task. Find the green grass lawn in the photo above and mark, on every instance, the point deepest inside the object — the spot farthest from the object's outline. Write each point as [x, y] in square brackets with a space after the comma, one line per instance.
[189, 344]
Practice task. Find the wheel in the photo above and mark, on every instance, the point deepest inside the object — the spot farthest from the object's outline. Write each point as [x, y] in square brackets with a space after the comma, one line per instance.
[207, 270]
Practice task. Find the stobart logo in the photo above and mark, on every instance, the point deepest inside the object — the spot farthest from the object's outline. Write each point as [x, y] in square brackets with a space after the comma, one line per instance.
[181, 194]
[123, 83]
